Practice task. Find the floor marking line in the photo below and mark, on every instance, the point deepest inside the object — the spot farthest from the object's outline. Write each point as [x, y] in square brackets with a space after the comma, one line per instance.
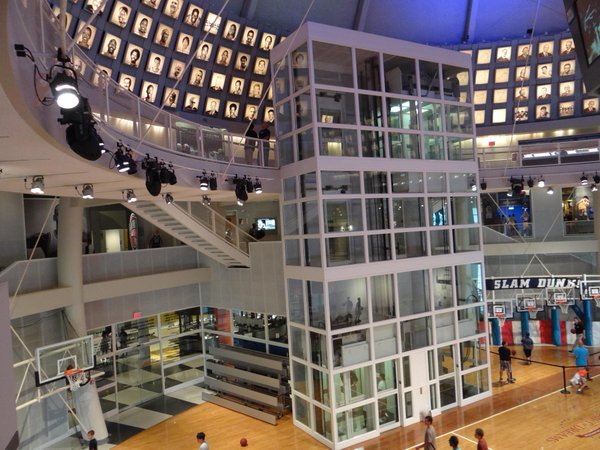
[465, 438]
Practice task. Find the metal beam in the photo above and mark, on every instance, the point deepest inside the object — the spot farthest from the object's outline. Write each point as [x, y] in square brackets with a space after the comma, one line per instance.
[360, 15]
[248, 9]
[469, 28]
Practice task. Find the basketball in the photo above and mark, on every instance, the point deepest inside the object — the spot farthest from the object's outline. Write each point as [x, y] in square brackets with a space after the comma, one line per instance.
[243, 442]
[573, 330]
[513, 353]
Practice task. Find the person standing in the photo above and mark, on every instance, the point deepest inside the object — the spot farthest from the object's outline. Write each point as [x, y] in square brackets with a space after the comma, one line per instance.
[504, 353]
[429, 441]
[579, 330]
[265, 135]
[201, 438]
[250, 144]
[582, 358]
[93, 443]
[527, 347]
[381, 384]
[453, 442]
[156, 240]
[481, 442]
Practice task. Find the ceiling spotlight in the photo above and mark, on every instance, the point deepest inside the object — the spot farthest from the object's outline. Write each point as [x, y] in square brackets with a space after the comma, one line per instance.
[206, 200]
[87, 191]
[483, 185]
[167, 174]
[37, 185]
[517, 185]
[212, 182]
[509, 193]
[473, 186]
[584, 180]
[82, 136]
[130, 196]
[258, 186]
[120, 158]
[240, 190]
[597, 178]
[204, 181]
[594, 187]
[152, 175]
[168, 198]
[249, 185]
[550, 191]
[541, 183]
[530, 182]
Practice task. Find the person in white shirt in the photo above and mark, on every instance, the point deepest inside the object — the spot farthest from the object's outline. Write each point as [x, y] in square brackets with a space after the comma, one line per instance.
[201, 438]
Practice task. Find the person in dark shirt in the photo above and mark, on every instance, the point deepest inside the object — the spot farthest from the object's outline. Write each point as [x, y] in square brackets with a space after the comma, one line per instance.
[504, 353]
[265, 135]
[250, 145]
[527, 347]
[93, 443]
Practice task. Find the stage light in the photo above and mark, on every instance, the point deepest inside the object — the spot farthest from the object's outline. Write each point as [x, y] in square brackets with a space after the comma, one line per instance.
[541, 183]
[240, 190]
[597, 178]
[530, 182]
[206, 200]
[167, 174]
[212, 182]
[249, 185]
[594, 187]
[87, 191]
[64, 89]
[483, 185]
[203, 181]
[82, 136]
[258, 186]
[584, 180]
[517, 185]
[130, 196]
[151, 166]
[509, 193]
[550, 191]
[473, 186]
[37, 185]
[168, 198]
[121, 160]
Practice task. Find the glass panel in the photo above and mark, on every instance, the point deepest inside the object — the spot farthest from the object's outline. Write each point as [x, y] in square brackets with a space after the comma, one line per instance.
[107, 398]
[302, 410]
[456, 82]
[282, 88]
[345, 304]
[343, 215]
[408, 405]
[380, 248]
[411, 245]
[429, 79]
[372, 144]
[300, 67]
[458, 119]
[334, 142]
[462, 182]
[312, 253]
[407, 182]
[179, 321]
[433, 147]
[310, 217]
[465, 210]
[289, 188]
[445, 360]
[400, 75]
[475, 383]
[298, 341]
[442, 287]
[470, 321]
[375, 182]
[433, 402]
[318, 345]
[367, 70]
[141, 372]
[249, 323]
[386, 375]
[345, 250]
[448, 391]
[303, 112]
[333, 64]
[385, 341]
[333, 183]
[371, 113]
[444, 326]
[350, 348]
[323, 424]
[316, 306]
[335, 107]
[438, 211]
[290, 219]
[388, 409]
[409, 212]
[217, 319]
[404, 146]
[177, 348]
[194, 369]
[469, 283]
[382, 298]
[466, 240]
[413, 289]
[277, 326]
[472, 354]
[460, 149]
[416, 333]
[292, 252]
[306, 148]
[432, 116]
[406, 371]
[352, 386]
[300, 377]
[440, 242]
[296, 302]
[377, 213]
[402, 114]
[308, 185]
[436, 182]
[320, 386]
[284, 119]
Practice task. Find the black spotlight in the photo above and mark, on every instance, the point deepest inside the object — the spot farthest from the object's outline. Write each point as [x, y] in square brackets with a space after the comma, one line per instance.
[240, 190]
[597, 178]
[530, 182]
[517, 185]
[167, 174]
[258, 186]
[63, 84]
[168, 198]
[82, 136]
[132, 164]
[203, 181]
[121, 159]
[483, 185]
[152, 175]
[584, 179]
[249, 185]
[212, 182]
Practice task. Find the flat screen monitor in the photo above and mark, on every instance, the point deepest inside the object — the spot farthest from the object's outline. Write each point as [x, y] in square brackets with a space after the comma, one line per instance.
[266, 223]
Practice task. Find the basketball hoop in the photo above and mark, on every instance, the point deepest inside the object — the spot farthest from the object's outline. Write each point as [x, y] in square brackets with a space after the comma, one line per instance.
[501, 319]
[532, 310]
[564, 306]
[597, 300]
[76, 378]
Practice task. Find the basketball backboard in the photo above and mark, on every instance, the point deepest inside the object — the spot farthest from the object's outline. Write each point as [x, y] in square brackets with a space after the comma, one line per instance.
[530, 303]
[52, 360]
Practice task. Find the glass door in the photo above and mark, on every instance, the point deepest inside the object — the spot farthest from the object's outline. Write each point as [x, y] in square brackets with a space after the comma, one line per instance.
[418, 399]
[446, 359]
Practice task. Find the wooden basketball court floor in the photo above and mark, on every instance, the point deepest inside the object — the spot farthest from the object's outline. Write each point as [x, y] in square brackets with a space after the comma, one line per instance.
[530, 414]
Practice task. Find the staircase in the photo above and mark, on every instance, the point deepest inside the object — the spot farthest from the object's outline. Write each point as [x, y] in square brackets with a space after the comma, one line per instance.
[213, 235]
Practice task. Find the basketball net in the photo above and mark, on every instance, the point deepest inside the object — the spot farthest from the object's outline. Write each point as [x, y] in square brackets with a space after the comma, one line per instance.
[76, 378]
[564, 306]
[501, 319]
[532, 310]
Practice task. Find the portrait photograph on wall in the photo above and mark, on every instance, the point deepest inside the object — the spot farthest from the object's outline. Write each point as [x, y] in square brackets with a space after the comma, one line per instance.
[193, 15]
[172, 8]
[267, 41]
[94, 5]
[250, 112]
[255, 89]
[544, 92]
[217, 81]
[127, 81]
[212, 106]
[566, 109]
[522, 73]
[521, 94]
[503, 54]
[542, 112]
[260, 66]
[544, 71]
[299, 60]
[203, 52]
[154, 4]
[141, 25]
[86, 38]
[110, 46]
[241, 61]
[120, 14]
[79, 65]
[191, 102]
[223, 56]
[236, 86]
[502, 75]
[197, 77]
[163, 35]
[566, 89]
[567, 47]
[232, 110]
[567, 68]
[500, 95]
[176, 69]
[479, 97]
[499, 115]
[133, 55]
[170, 97]
[148, 91]
[101, 76]
[484, 56]
[521, 113]
[184, 43]
[590, 105]
[269, 115]
[545, 49]
[155, 63]
[212, 23]
[482, 76]
[230, 31]
[523, 52]
[249, 37]
[479, 116]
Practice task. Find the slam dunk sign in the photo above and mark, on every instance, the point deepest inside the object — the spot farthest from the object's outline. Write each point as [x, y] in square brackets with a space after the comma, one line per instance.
[531, 283]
